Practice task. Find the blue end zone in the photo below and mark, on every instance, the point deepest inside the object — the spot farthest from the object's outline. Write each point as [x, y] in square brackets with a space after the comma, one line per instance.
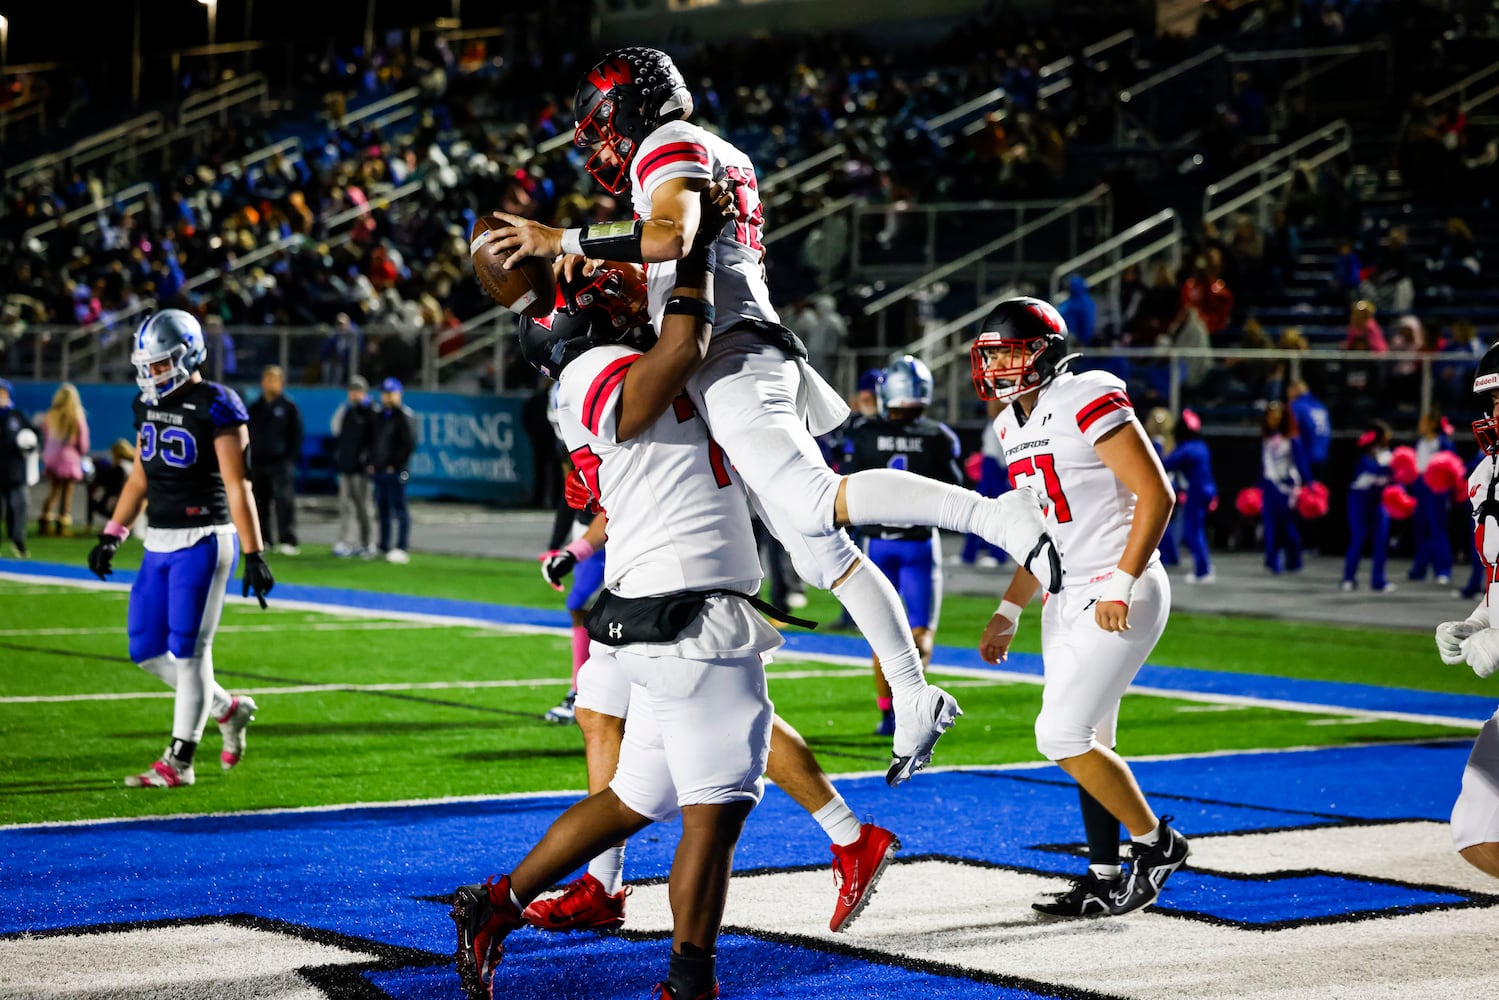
[1366, 697]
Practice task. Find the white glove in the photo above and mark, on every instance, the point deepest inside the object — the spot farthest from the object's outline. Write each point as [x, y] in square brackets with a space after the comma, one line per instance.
[1450, 636]
[1481, 650]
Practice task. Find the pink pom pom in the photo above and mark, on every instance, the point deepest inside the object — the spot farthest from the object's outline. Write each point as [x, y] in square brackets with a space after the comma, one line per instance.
[1398, 503]
[1444, 472]
[1403, 465]
[1250, 501]
[1311, 502]
[973, 467]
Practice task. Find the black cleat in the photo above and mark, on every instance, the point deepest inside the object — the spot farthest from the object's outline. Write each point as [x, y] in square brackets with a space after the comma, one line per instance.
[1088, 897]
[482, 927]
[1149, 868]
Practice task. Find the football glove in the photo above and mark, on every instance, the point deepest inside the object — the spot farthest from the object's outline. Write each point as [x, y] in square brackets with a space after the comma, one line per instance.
[1450, 636]
[555, 565]
[257, 577]
[1481, 650]
[579, 496]
[102, 554]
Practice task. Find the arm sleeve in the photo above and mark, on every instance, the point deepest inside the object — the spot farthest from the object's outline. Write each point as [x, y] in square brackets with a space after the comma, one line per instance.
[227, 411]
[1298, 454]
[1105, 406]
[674, 150]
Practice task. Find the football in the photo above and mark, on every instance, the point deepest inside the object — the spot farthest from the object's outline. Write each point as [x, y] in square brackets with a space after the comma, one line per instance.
[528, 290]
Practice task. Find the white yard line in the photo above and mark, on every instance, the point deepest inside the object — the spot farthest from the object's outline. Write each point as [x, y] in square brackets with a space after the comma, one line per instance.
[996, 676]
[1029, 765]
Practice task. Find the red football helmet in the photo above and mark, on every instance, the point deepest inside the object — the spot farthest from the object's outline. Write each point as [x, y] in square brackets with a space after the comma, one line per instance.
[619, 102]
[1485, 383]
[607, 307]
[1022, 346]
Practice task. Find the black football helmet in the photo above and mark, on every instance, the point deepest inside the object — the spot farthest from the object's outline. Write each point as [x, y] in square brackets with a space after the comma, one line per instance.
[619, 102]
[607, 307]
[1021, 346]
[1485, 382]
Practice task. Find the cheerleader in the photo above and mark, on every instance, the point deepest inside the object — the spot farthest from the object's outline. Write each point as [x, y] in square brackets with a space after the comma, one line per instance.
[1190, 460]
[1283, 471]
[1367, 518]
[1433, 543]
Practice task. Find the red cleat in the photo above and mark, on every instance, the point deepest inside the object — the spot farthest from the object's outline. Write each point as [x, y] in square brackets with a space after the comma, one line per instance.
[484, 915]
[664, 993]
[583, 906]
[856, 870]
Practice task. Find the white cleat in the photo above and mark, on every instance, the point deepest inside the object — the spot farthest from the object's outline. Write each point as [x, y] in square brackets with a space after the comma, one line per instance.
[165, 773]
[397, 556]
[919, 724]
[1017, 524]
[232, 728]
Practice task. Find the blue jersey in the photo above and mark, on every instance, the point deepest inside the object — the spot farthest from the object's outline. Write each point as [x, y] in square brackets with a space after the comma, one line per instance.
[926, 447]
[1314, 425]
[1194, 463]
[177, 433]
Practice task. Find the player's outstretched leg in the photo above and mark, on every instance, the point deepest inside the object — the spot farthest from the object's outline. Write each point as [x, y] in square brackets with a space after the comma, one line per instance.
[232, 726]
[861, 851]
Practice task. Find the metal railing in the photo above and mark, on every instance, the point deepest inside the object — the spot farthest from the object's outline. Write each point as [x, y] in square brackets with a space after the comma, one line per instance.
[1121, 252]
[21, 111]
[103, 144]
[386, 105]
[130, 197]
[1463, 89]
[218, 101]
[1271, 172]
[1136, 104]
[290, 148]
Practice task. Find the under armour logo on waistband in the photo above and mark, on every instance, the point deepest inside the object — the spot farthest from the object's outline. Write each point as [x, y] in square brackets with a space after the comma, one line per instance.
[616, 630]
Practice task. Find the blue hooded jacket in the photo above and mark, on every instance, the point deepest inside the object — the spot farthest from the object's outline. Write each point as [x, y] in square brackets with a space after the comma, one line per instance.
[1079, 311]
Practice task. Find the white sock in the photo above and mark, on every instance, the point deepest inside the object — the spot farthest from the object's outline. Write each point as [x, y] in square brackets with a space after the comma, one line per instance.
[1150, 839]
[164, 668]
[190, 709]
[889, 496]
[838, 821]
[609, 868]
[1106, 872]
[875, 607]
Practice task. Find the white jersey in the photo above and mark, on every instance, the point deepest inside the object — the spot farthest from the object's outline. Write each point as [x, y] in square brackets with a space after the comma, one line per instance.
[1089, 510]
[678, 516]
[681, 149]
[1481, 487]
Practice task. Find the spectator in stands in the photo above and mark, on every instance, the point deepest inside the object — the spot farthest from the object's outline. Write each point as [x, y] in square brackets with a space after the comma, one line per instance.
[1282, 248]
[1368, 523]
[1190, 461]
[1159, 426]
[353, 434]
[1208, 293]
[18, 441]
[1393, 284]
[275, 448]
[1433, 543]
[1160, 308]
[1283, 471]
[1315, 425]
[390, 452]
[815, 318]
[1457, 258]
[1455, 379]
[1247, 251]
[65, 428]
[338, 351]
[1364, 333]
[1347, 273]
[1079, 310]
[220, 346]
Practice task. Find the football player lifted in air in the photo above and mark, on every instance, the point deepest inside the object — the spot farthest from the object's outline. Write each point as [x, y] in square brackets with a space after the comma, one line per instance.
[1475, 816]
[759, 397]
[192, 473]
[1075, 436]
[597, 899]
[902, 437]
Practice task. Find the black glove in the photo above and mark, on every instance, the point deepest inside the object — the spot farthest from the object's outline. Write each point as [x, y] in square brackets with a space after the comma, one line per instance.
[257, 577]
[101, 555]
[555, 565]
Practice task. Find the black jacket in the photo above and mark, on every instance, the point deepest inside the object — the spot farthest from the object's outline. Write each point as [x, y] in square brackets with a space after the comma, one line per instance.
[12, 458]
[275, 431]
[393, 439]
[354, 427]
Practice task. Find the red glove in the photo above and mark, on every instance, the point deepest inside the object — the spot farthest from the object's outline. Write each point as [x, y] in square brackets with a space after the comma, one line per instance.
[579, 496]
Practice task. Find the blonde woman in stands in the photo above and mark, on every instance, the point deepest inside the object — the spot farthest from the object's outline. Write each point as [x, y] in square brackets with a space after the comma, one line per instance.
[66, 430]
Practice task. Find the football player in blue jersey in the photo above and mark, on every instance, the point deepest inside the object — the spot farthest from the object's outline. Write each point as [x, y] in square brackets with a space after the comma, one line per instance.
[903, 437]
[193, 471]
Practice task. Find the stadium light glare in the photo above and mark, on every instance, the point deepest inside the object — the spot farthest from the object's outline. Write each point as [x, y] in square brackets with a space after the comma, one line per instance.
[4, 38]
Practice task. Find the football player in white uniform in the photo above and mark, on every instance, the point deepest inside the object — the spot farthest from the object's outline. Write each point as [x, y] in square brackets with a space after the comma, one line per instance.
[1475, 816]
[1075, 437]
[682, 631]
[596, 900]
[760, 398]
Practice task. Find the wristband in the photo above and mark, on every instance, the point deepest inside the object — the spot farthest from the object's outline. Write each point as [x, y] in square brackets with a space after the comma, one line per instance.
[579, 548]
[1118, 588]
[116, 530]
[1011, 610]
[680, 305]
[609, 241]
[572, 241]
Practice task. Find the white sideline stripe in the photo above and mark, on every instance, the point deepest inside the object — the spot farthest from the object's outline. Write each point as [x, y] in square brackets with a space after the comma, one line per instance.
[998, 676]
[1028, 765]
[33, 699]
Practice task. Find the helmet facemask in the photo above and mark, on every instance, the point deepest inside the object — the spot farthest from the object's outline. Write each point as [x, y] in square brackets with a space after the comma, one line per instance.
[1004, 368]
[612, 152]
[153, 386]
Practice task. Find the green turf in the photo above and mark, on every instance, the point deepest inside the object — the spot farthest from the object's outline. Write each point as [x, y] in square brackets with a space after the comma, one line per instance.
[1213, 642]
[65, 759]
